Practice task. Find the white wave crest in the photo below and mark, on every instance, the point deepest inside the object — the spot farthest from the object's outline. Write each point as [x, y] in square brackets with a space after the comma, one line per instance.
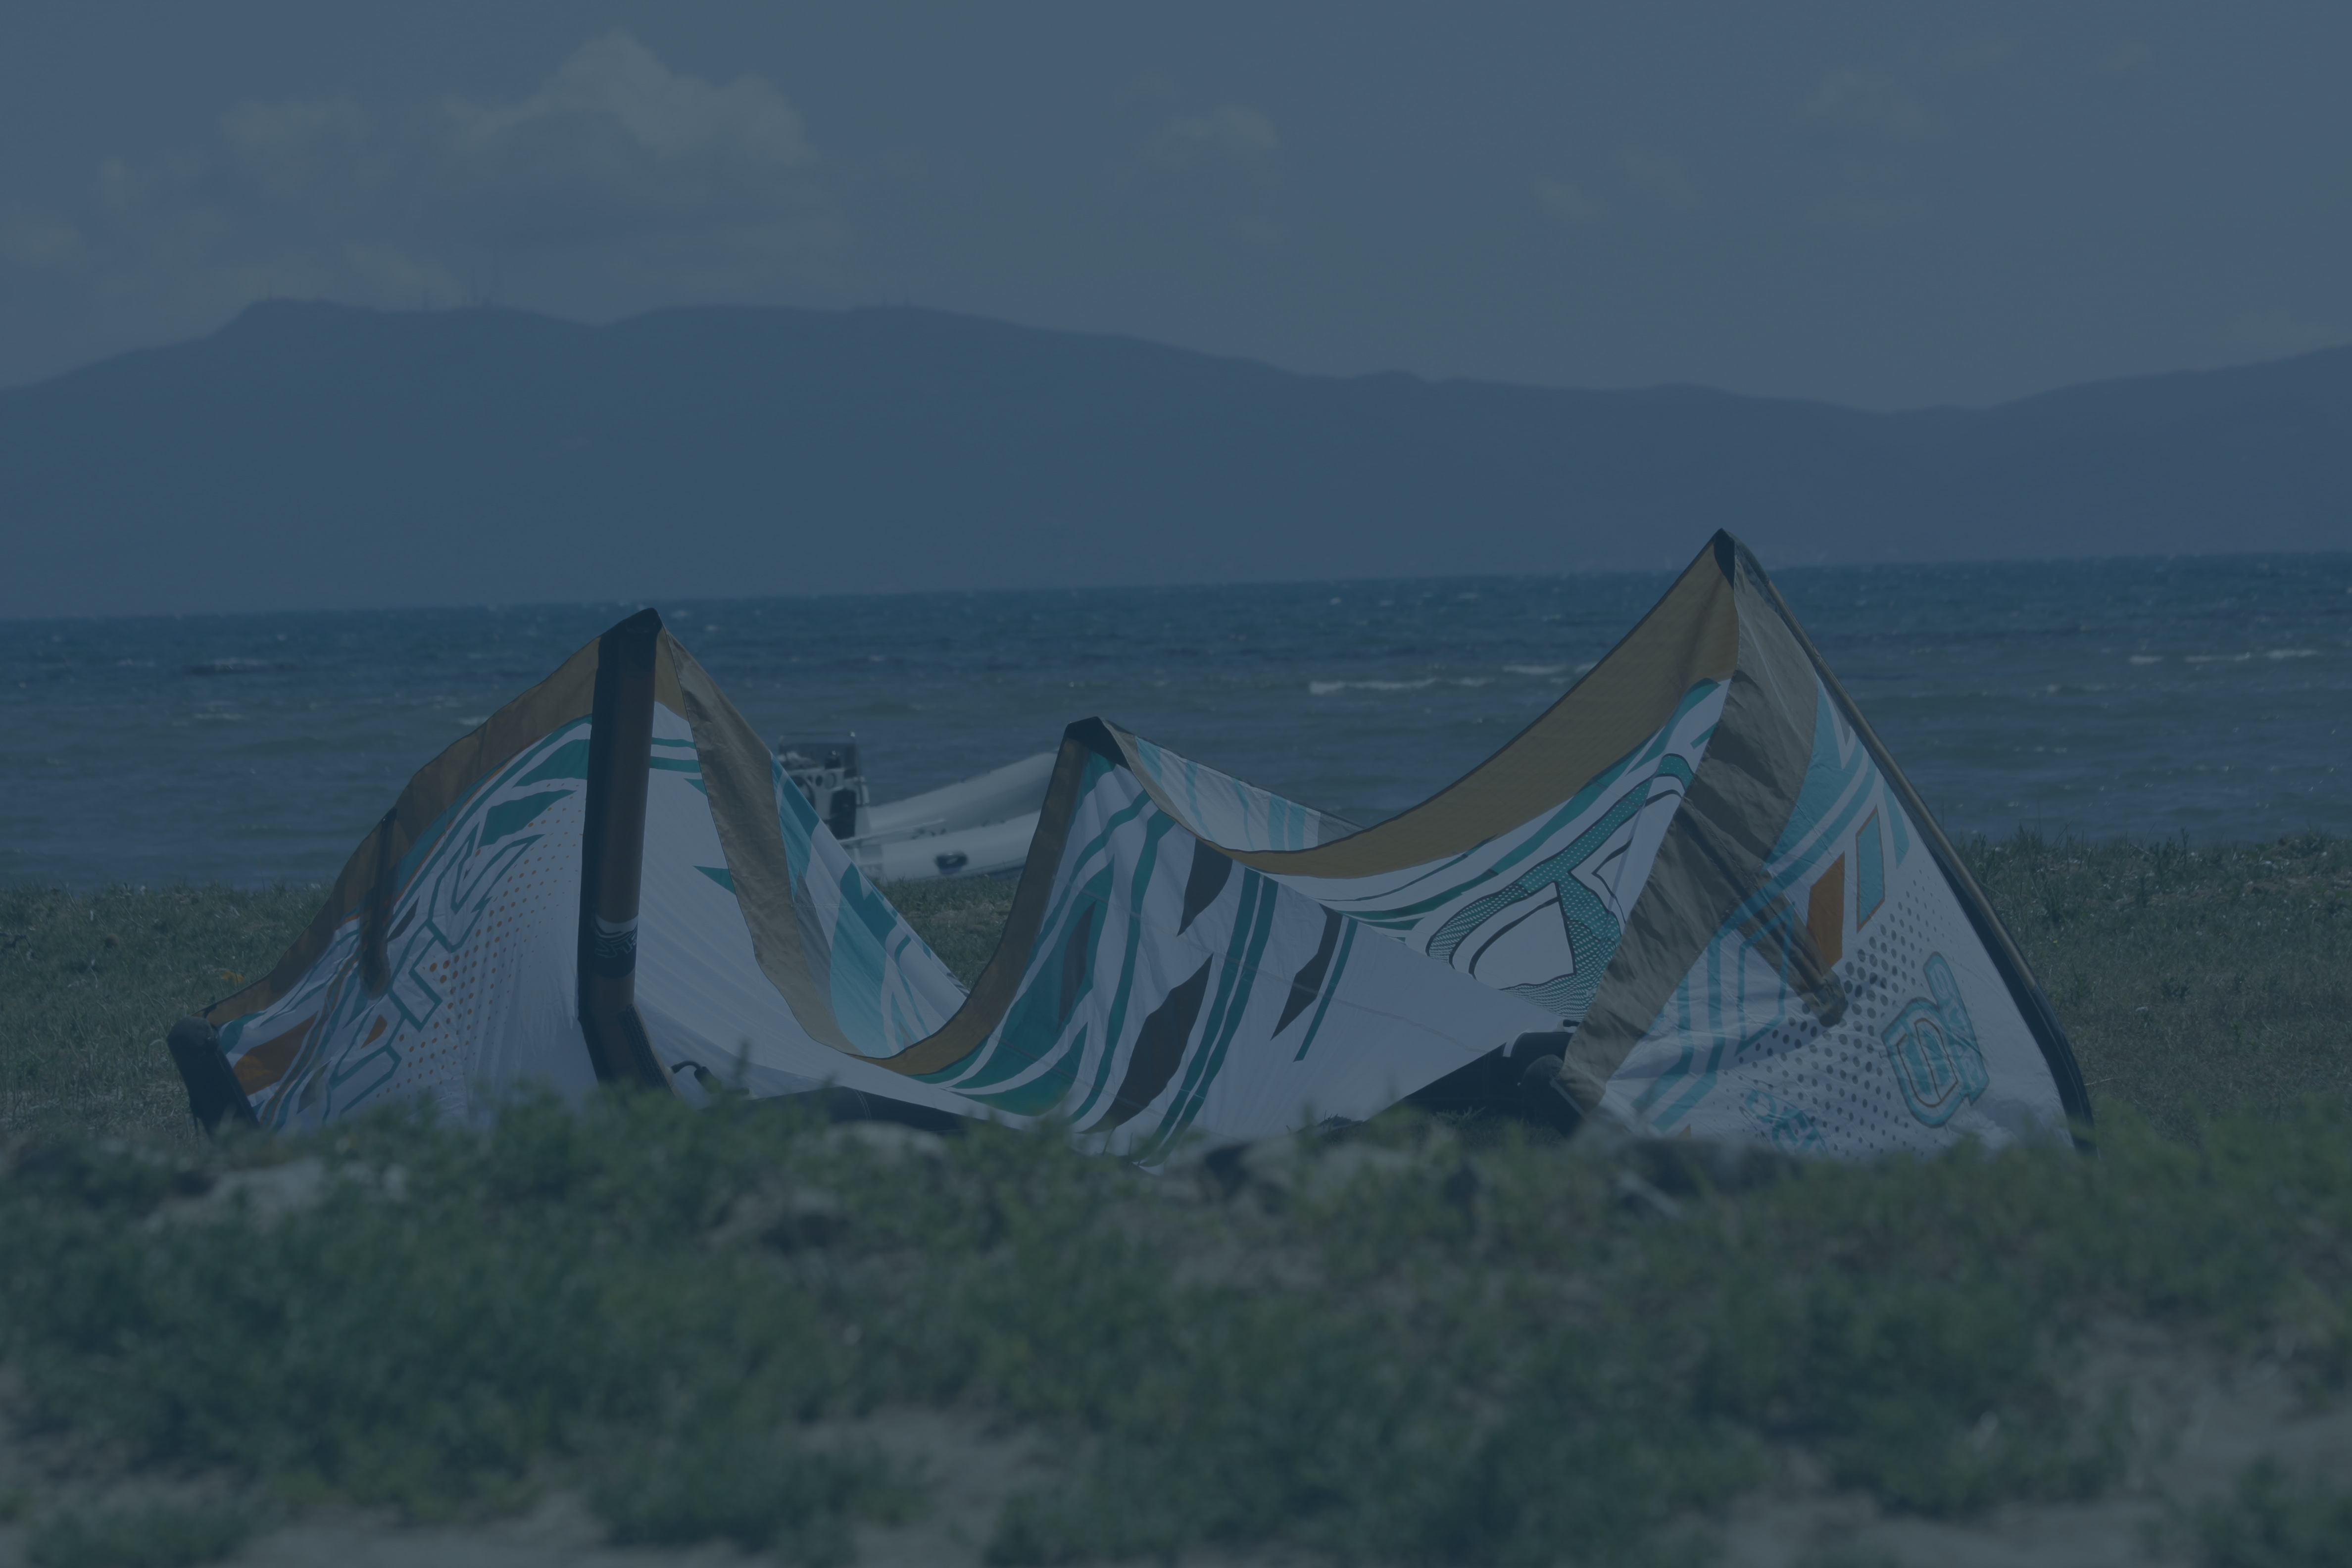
[1325, 687]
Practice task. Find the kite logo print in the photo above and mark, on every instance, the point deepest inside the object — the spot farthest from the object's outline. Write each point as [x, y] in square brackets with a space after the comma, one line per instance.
[1784, 1126]
[1933, 1049]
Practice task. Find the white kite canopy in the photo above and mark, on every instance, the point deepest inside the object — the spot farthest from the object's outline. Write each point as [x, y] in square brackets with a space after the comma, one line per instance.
[1699, 872]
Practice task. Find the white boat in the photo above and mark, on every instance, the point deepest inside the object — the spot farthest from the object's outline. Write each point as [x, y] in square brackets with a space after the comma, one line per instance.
[980, 826]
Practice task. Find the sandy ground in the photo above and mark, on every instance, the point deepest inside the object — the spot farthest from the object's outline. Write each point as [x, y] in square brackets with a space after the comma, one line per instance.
[2200, 1421]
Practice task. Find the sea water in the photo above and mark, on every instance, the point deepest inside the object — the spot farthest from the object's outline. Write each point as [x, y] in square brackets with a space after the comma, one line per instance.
[2148, 699]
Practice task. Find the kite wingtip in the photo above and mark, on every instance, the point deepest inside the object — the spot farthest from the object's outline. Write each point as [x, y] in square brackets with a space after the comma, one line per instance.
[1727, 551]
[213, 1092]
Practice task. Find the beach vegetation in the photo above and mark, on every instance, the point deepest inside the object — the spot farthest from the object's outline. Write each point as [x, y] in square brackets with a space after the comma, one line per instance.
[2274, 1519]
[1434, 1340]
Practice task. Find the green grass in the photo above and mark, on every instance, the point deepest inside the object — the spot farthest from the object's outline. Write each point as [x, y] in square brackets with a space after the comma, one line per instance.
[89, 986]
[961, 920]
[1474, 1353]
[2193, 981]
[2275, 1521]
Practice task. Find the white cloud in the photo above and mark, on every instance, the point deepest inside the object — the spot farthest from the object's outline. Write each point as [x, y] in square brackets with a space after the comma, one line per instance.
[2275, 335]
[1858, 211]
[33, 239]
[120, 189]
[1873, 192]
[1871, 101]
[391, 274]
[1566, 200]
[1976, 56]
[1231, 135]
[615, 171]
[289, 146]
[1657, 175]
[1214, 175]
[615, 143]
[613, 89]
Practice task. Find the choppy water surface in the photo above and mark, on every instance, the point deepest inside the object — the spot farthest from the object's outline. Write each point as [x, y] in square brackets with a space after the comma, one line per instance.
[2210, 697]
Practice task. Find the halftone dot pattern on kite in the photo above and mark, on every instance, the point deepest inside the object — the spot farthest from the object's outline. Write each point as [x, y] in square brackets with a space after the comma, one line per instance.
[1840, 1077]
[532, 909]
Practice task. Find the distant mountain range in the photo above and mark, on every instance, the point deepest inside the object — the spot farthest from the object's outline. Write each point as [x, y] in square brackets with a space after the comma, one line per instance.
[315, 456]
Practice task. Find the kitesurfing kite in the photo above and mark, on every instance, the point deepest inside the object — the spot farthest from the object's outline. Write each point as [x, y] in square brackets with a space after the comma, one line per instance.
[1699, 877]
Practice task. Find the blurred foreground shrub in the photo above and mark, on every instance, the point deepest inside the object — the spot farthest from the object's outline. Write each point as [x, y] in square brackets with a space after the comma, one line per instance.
[1470, 1351]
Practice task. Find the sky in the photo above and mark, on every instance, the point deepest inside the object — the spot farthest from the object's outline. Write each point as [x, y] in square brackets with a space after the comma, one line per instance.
[1882, 204]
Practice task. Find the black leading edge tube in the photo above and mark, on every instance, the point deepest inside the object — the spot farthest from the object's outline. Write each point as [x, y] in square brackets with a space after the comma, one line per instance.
[612, 854]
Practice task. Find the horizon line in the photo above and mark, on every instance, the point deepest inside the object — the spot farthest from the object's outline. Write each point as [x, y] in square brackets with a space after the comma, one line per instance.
[635, 603]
